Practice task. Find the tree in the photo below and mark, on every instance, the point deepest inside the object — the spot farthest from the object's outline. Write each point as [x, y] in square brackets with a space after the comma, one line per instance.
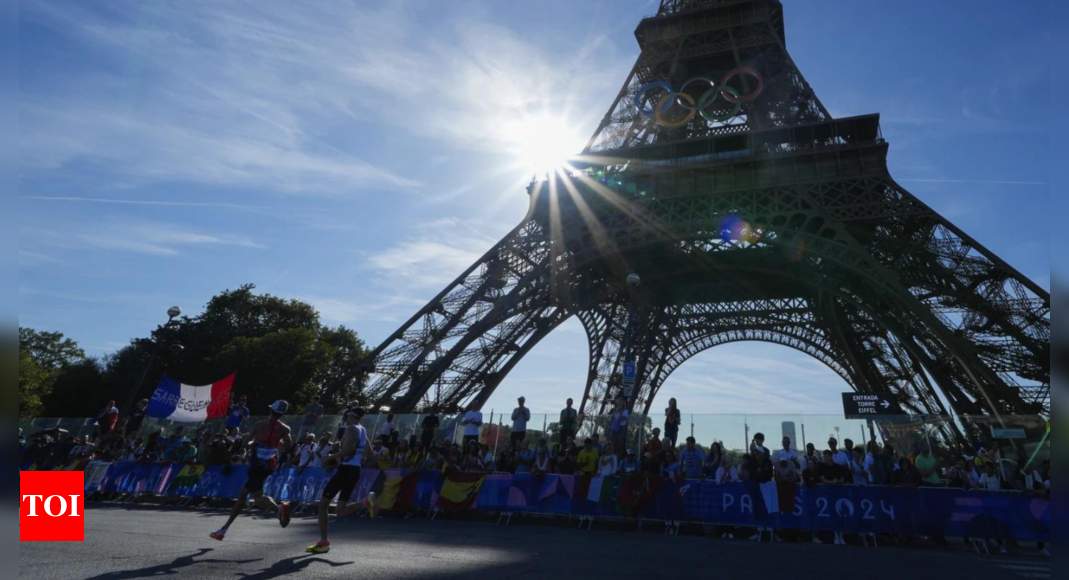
[34, 385]
[51, 351]
[277, 347]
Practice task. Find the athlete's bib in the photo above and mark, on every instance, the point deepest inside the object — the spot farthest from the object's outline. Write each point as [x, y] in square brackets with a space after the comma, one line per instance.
[266, 454]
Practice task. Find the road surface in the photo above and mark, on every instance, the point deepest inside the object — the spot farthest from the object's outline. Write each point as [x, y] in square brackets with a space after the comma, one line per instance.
[139, 542]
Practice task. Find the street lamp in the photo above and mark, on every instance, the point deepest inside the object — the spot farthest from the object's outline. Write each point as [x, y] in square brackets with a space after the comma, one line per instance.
[172, 313]
[630, 368]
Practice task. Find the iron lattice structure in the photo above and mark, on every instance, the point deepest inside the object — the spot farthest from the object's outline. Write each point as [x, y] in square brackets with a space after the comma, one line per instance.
[773, 222]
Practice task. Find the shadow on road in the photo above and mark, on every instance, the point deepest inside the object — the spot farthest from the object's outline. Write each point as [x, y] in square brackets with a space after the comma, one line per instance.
[169, 569]
[291, 566]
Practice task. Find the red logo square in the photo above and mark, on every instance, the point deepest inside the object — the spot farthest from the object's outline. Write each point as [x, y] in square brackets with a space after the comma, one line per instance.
[51, 506]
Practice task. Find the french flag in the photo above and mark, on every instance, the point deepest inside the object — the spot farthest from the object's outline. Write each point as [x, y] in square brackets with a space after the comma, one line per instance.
[190, 404]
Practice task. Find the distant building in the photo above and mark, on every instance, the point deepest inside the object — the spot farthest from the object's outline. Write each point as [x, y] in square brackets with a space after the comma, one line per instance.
[790, 431]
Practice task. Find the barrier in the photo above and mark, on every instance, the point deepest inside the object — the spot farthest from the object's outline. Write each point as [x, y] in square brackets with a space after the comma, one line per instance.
[848, 509]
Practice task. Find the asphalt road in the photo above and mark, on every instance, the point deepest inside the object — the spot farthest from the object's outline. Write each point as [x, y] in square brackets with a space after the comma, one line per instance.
[129, 543]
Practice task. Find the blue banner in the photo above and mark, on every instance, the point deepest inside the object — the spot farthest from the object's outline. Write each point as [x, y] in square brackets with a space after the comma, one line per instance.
[851, 509]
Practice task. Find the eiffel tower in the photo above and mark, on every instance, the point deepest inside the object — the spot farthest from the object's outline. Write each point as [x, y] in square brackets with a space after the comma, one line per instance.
[748, 213]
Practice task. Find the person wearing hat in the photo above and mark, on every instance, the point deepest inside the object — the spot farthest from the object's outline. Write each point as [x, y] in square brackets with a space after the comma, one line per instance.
[347, 460]
[520, 416]
[238, 414]
[263, 444]
[630, 464]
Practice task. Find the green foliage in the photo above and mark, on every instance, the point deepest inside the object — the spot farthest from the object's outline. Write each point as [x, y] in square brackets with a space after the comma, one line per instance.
[277, 347]
[51, 351]
[34, 384]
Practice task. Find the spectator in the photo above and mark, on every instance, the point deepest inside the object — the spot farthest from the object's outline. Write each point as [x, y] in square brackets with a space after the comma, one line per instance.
[841, 458]
[608, 464]
[714, 460]
[82, 450]
[433, 462]
[389, 432]
[135, 451]
[597, 443]
[692, 460]
[430, 425]
[787, 472]
[811, 461]
[1025, 479]
[787, 453]
[621, 417]
[630, 465]
[306, 452]
[136, 419]
[107, 419]
[587, 463]
[525, 459]
[569, 463]
[380, 454]
[761, 466]
[520, 416]
[907, 474]
[858, 471]
[877, 468]
[989, 480]
[239, 412]
[727, 473]
[831, 473]
[218, 451]
[654, 446]
[928, 466]
[746, 468]
[312, 414]
[487, 457]
[473, 421]
[848, 447]
[671, 469]
[542, 461]
[569, 422]
[185, 453]
[672, 420]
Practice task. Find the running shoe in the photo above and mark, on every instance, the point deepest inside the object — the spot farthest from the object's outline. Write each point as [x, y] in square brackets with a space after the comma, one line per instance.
[218, 536]
[371, 504]
[319, 548]
[284, 514]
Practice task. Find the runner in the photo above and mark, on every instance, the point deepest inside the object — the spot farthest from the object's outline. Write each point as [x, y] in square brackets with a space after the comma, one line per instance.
[347, 459]
[264, 441]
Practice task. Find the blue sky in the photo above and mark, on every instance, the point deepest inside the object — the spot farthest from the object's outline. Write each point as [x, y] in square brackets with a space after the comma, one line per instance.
[359, 155]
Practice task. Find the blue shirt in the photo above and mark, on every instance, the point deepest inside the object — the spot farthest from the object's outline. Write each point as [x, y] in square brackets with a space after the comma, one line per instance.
[692, 462]
[237, 416]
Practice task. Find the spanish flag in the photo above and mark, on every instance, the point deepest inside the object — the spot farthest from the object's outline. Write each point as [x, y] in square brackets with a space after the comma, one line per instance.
[460, 490]
[398, 492]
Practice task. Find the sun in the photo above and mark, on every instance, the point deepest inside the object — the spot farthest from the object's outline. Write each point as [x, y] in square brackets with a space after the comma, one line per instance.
[544, 143]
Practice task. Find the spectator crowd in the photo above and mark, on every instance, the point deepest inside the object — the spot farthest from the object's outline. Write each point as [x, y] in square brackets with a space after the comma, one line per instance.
[569, 454]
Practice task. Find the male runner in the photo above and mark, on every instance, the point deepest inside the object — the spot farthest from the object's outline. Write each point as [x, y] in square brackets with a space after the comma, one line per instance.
[345, 480]
[264, 442]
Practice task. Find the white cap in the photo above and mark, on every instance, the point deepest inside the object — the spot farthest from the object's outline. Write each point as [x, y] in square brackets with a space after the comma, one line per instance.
[281, 407]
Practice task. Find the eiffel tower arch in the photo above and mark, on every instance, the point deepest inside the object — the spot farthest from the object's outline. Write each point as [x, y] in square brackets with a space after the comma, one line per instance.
[750, 214]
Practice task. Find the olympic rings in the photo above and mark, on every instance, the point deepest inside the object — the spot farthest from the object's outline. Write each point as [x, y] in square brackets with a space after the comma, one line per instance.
[681, 98]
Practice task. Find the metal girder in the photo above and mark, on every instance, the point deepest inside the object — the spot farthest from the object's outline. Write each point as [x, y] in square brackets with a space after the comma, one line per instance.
[781, 225]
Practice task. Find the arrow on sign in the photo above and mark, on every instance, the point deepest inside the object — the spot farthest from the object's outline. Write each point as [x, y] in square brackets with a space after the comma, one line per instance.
[886, 405]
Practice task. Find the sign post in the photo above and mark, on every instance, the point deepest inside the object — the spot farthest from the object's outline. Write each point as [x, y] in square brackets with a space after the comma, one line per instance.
[865, 406]
[630, 373]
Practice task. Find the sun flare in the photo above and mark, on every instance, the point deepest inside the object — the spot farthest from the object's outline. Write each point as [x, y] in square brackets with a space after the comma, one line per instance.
[544, 143]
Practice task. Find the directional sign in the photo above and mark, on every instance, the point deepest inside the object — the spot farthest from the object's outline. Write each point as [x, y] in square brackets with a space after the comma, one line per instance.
[862, 406]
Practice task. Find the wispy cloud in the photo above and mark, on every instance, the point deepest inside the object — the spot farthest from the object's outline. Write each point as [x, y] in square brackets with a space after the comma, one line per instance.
[133, 236]
[31, 259]
[976, 182]
[348, 312]
[440, 253]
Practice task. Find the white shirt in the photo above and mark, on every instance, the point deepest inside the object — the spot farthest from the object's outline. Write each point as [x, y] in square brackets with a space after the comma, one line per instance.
[307, 454]
[870, 466]
[321, 453]
[608, 465]
[990, 482]
[472, 421]
[387, 429]
[785, 455]
[859, 474]
[520, 417]
[727, 476]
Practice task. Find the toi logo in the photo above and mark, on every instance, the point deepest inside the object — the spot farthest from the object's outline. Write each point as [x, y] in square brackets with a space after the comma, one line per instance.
[52, 504]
